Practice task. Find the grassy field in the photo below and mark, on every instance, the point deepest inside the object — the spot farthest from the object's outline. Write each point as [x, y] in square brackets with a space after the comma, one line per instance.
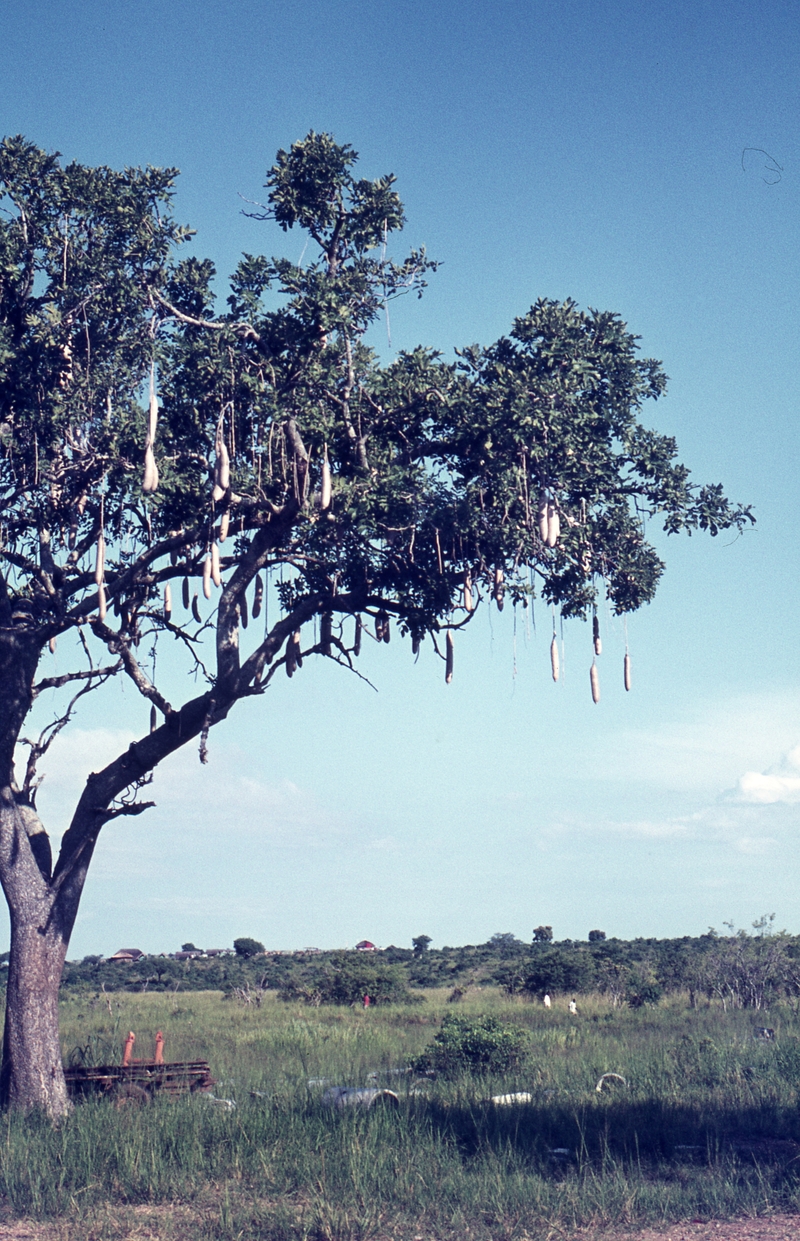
[707, 1125]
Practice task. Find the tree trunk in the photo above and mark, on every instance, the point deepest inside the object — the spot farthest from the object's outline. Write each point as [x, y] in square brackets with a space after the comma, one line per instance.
[32, 1075]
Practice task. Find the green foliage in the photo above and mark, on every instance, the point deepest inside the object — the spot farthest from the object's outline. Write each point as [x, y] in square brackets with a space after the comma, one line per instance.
[420, 944]
[438, 468]
[246, 947]
[542, 934]
[642, 987]
[480, 1044]
[346, 978]
[559, 969]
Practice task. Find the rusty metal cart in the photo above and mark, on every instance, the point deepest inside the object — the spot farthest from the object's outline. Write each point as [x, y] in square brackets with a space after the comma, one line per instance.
[138, 1081]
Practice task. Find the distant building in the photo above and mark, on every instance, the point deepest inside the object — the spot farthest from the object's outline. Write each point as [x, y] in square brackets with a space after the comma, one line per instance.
[190, 955]
[366, 946]
[127, 956]
[219, 952]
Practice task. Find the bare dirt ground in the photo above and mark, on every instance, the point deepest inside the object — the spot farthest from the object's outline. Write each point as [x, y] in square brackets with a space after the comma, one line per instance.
[178, 1224]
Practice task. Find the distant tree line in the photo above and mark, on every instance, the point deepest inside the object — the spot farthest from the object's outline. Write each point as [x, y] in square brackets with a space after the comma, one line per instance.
[736, 970]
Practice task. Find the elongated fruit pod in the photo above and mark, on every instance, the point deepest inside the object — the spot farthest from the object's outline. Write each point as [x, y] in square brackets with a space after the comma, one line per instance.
[415, 644]
[293, 659]
[152, 420]
[499, 588]
[543, 519]
[243, 611]
[554, 665]
[101, 602]
[207, 576]
[553, 525]
[222, 468]
[598, 644]
[153, 719]
[448, 660]
[467, 592]
[100, 560]
[594, 677]
[195, 608]
[387, 630]
[52, 645]
[185, 593]
[326, 633]
[357, 638]
[258, 595]
[224, 523]
[216, 576]
[326, 487]
[150, 480]
[627, 671]
[167, 601]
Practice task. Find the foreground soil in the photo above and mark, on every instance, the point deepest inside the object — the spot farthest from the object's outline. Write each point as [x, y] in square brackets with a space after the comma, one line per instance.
[182, 1224]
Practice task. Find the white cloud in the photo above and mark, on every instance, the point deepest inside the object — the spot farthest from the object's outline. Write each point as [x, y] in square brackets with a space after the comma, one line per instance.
[705, 746]
[780, 783]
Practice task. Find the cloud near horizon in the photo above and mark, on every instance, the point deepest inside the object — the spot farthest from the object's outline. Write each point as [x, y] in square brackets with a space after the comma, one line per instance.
[778, 784]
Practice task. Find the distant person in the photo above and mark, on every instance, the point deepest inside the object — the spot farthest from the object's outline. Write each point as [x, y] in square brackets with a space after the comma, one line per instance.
[573, 1007]
[366, 1001]
[546, 1000]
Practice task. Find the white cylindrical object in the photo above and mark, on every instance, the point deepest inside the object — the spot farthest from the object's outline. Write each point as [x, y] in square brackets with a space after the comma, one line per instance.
[594, 678]
[554, 665]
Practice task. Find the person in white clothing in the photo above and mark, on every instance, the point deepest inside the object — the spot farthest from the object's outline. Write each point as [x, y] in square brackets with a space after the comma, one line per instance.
[547, 1001]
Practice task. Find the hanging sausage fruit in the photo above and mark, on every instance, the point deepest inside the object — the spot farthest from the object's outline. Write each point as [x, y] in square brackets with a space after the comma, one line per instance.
[554, 665]
[258, 595]
[150, 481]
[99, 574]
[325, 485]
[499, 588]
[553, 525]
[594, 678]
[222, 463]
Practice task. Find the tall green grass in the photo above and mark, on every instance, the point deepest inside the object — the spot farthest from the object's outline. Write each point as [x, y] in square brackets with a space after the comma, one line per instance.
[708, 1124]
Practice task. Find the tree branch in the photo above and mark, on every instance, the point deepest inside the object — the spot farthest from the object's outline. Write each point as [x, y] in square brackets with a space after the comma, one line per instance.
[117, 645]
[57, 682]
[245, 330]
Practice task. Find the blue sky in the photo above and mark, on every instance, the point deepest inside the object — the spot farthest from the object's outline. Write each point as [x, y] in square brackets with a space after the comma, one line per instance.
[642, 158]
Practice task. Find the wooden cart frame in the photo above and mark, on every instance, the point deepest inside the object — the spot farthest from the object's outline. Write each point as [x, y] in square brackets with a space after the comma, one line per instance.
[139, 1081]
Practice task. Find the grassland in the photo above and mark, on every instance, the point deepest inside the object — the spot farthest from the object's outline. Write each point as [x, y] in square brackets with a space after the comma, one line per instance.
[707, 1125]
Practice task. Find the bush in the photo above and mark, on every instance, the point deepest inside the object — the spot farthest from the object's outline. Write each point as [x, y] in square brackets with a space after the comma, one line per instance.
[556, 969]
[245, 947]
[642, 988]
[473, 1045]
[345, 979]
